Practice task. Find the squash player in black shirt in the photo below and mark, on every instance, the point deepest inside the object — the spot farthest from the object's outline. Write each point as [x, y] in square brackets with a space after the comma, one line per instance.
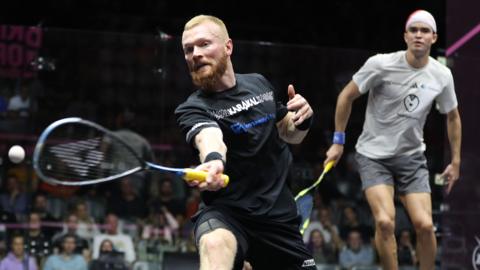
[238, 127]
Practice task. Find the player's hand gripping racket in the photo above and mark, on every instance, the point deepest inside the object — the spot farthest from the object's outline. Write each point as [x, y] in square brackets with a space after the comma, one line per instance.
[304, 198]
[76, 152]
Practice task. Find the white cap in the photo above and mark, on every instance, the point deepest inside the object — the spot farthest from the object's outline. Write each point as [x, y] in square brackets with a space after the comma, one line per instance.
[422, 16]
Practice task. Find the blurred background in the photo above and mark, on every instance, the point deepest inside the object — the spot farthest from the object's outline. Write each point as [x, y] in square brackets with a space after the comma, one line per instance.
[120, 63]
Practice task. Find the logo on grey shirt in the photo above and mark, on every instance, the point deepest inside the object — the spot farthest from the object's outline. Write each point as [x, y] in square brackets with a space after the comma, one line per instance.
[411, 102]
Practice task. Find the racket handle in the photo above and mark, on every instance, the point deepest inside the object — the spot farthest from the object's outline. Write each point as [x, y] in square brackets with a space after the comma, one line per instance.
[329, 166]
[192, 175]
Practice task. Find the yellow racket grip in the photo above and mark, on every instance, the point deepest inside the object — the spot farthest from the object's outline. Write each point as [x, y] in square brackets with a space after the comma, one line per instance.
[192, 175]
[329, 166]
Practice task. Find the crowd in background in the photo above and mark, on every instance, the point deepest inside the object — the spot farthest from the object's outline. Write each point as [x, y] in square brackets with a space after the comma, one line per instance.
[138, 218]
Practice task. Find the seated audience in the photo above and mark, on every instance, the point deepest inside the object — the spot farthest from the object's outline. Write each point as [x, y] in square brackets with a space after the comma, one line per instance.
[109, 258]
[86, 227]
[40, 205]
[356, 253]
[127, 204]
[350, 221]
[405, 249]
[37, 243]
[14, 199]
[67, 259]
[322, 252]
[161, 226]
[122, 242]
[70, 229]
[16, 258]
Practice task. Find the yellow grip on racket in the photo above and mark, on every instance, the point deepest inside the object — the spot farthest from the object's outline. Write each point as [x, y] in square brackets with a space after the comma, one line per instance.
[192, 175]
[329, 166]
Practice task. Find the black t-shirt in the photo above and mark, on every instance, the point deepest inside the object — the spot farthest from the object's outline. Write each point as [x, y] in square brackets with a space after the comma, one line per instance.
[257, 159]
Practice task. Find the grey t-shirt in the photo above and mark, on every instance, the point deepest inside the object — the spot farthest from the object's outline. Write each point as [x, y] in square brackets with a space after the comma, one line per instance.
[400, 98]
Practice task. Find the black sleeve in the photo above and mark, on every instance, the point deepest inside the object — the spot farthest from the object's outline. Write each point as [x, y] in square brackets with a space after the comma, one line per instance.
[281, 109]
[192, 120]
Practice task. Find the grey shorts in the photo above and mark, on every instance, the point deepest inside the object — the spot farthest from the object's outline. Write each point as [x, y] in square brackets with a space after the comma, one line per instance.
[408, 174]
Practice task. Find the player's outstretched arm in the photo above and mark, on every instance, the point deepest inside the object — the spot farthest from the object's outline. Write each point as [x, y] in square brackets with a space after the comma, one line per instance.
[212, 153]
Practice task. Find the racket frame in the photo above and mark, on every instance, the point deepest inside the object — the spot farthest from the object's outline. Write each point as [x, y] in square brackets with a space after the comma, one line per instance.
[72, 120]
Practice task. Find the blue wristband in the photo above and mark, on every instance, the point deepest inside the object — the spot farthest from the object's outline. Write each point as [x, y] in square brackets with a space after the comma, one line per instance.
[339, 137]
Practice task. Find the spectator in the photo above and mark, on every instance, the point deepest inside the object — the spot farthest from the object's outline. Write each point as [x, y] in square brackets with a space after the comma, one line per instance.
[179, 188]
[95, 203]
[406, 251]
[86, 227]
[21, 105]
[350, 221]
[70, 229]
[37, 243]
[356, 253]
[16, 258]
[27, 181]
[109, 258]
[325, 225]
[20, 109]
[318, 204]
[322, 252]
[161, 225]
[167, 198]
[122, 242]
[128, 205]
[67, 259]
[40, 205]
[14, 200]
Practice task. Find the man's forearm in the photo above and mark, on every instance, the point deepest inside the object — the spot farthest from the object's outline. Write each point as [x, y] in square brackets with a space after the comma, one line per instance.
[454, 129]
[289, 132]
[344, 106]
[342, 114]
[210, 140]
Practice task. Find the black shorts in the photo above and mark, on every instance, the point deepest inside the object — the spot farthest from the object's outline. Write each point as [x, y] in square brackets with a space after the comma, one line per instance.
[266, 244]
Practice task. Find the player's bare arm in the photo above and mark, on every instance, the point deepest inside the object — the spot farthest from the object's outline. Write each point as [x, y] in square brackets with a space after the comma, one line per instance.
[454, 130]
[342, 114]
[209, 141]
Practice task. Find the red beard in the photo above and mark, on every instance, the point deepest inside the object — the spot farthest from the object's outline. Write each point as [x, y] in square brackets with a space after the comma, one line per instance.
[208, 80]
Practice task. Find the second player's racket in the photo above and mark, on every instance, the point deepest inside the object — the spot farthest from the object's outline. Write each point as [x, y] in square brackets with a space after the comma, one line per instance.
[304, 198]
[75, 152]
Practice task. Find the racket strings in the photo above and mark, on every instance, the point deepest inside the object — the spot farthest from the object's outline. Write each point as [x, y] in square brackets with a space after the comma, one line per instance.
[75, 153]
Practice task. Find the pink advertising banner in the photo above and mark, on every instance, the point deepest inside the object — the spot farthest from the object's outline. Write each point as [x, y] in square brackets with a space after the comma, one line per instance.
[19, 46]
